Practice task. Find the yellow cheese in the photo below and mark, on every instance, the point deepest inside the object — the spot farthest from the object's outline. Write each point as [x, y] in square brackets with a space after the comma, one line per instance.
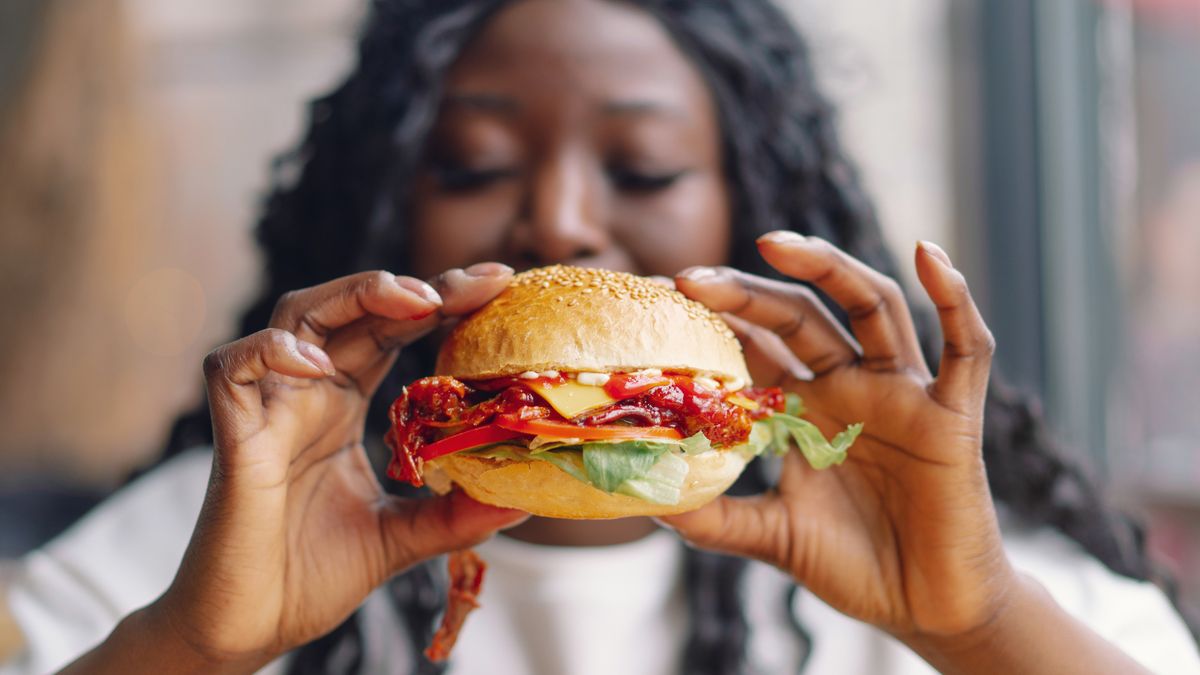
[738, 399]
[572, 399]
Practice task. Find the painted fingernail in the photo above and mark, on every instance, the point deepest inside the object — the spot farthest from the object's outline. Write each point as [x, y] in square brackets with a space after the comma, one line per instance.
[316, 356]
[420, 288]
[700, 274]
[781, 237]
[488, 269]
[935, 251]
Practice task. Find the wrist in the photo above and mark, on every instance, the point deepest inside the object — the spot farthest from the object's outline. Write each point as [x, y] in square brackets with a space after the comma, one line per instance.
[149, 641]
[948, 652]
[161, 624]
[1028, 633]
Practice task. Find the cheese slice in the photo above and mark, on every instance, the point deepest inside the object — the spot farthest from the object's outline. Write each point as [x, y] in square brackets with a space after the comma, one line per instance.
[739, 400]
[572, 399]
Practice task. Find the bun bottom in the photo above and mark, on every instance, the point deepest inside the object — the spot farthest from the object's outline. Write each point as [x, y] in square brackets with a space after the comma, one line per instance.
[545, 490]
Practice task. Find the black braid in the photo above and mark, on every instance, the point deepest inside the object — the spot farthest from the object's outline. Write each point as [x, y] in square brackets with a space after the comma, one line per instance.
[335, 209]
[714, 597]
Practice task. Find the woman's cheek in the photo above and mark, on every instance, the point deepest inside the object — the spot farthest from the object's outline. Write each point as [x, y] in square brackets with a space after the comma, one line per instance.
[688, 225]
[458, 230]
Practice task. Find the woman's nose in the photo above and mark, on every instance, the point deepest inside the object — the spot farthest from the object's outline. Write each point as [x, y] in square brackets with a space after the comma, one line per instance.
[565, 213]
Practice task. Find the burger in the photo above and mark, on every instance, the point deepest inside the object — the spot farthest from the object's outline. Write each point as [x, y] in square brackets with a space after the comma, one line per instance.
[590, 394]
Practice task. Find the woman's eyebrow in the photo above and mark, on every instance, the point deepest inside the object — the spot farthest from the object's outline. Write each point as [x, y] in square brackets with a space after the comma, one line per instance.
[643, 107]
[483, 101]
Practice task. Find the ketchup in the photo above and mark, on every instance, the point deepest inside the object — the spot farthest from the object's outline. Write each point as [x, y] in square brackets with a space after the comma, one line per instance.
[626, 385]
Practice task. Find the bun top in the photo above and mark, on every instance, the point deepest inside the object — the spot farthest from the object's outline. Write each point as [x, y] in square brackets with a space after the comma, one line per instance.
[576, 319]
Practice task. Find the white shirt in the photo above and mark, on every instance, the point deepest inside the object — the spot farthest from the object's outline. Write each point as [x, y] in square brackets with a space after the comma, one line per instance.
[545, 610]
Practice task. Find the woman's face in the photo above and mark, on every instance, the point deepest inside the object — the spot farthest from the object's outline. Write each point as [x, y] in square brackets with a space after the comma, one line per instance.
[573, 131]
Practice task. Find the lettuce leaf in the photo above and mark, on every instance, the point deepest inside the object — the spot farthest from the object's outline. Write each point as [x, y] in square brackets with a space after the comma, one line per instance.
[820, 453]
[761, 437]
[661, 484]
[792, 404]
[696, 444]
[545, 443]
[608, 465]
[499, 451]
[569, 460]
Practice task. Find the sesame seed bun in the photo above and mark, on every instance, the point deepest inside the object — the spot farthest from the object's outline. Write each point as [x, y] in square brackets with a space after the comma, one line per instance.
[575, 319]
[545, 490]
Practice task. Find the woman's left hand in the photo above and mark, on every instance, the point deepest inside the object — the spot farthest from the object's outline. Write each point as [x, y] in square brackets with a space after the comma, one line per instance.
[903, 535]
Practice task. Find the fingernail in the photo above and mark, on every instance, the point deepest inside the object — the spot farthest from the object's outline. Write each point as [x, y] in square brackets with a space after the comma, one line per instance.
[781, 237]
[488, 269]
[935, 251]
[700, 274]
[316, 356]
[420, 288]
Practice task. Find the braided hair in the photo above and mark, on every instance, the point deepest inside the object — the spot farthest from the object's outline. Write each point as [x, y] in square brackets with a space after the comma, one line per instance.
[334, 210]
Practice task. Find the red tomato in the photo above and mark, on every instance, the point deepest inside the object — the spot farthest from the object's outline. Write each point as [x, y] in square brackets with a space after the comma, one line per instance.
[485, 435]
[544, 427]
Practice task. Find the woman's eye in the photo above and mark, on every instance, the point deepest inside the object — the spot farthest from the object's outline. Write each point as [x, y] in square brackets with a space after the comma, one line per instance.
[630, 180]
[458, 178]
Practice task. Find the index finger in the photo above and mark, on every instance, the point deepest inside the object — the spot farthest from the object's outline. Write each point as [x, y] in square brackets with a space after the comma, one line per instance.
[363, 352]
[313, 313]
[878, 312]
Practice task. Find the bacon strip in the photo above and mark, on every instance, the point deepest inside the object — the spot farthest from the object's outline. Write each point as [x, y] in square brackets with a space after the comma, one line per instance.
[466, 580]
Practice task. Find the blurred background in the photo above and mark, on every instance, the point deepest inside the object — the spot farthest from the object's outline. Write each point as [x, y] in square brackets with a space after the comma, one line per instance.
[1052, 146]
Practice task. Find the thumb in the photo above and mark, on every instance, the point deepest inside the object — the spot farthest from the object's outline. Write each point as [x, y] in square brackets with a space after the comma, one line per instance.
[753, 527]
[416, 529]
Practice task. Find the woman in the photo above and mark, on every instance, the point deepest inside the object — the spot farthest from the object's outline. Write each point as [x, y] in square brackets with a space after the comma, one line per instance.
[656, 138]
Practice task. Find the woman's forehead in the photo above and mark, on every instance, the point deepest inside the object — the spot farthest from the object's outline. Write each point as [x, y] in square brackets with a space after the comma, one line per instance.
[609, 52]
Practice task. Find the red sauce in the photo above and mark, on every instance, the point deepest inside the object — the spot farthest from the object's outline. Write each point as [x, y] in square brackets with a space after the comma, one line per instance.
[432, 407]
[769, 400]
[626, 385]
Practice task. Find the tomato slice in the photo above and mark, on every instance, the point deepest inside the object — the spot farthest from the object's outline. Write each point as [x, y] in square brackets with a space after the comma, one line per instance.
[544, 427]
[484, 435]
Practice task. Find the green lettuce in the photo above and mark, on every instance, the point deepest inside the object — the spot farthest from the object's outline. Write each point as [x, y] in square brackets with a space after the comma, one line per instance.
[569, 460]
[696, 444]
[500, 451]
[661, 484]
[792, 404]
[820, 453]
[608, 465]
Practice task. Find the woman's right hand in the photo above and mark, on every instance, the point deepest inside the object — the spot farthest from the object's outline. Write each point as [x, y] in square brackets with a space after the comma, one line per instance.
[295, 530]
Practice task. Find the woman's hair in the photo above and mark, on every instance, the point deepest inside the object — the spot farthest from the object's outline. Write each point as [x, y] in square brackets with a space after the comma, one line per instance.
[339, 205]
